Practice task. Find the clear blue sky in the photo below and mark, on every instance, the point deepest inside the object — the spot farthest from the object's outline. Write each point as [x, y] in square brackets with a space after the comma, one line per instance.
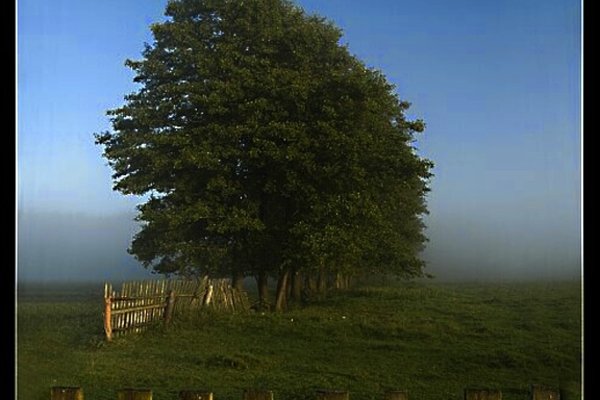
[497, 83]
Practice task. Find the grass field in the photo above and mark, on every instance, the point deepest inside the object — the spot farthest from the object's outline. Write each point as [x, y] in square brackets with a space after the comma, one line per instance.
[430, 339]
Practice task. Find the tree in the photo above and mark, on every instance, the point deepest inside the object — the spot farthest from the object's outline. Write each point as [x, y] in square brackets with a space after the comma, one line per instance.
[266, 149]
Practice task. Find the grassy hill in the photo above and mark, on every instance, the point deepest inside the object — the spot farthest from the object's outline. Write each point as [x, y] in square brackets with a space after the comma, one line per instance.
[430, 339]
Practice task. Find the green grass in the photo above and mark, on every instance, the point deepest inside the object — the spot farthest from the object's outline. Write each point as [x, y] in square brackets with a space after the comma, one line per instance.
[432, 340]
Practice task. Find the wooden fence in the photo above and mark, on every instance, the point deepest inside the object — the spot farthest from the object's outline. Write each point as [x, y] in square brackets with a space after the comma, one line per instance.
[76, 393]
[140, 304]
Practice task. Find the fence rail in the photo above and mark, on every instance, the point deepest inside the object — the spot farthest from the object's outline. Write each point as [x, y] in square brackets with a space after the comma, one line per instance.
[536, 392]
[140, 304]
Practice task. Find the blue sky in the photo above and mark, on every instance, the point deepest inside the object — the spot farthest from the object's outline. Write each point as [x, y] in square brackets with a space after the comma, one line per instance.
[497, 83]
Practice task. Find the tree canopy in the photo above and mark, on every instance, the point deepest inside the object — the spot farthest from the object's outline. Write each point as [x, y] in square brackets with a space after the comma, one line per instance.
[266, 148]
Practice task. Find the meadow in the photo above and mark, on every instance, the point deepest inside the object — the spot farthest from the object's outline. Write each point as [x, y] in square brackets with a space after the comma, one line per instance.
[431, 339]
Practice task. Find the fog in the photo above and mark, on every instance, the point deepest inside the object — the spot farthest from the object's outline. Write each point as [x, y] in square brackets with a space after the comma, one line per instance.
[76, 247]
[470, 250]
[81, 247]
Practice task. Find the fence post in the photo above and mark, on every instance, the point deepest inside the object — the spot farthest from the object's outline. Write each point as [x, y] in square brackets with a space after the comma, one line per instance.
[208, 295]
[196, 294]
[257, 394]
[539, 392]
[195, 395]
[107, 317]
[396, 395]
[483, 394]
[134, 394]
[66, 393]
[169, 307]
[323, 394]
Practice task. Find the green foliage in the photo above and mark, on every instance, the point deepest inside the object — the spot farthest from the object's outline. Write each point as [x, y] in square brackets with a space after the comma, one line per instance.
[431, 340]
[265, 144]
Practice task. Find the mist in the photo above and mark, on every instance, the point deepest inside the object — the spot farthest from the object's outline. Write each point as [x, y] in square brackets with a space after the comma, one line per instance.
[80, 247]
[76, 247]
[468, 250]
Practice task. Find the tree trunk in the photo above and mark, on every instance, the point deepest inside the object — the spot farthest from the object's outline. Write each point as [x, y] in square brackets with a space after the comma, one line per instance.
[311, 283]
[282, 283]
[321, 282]
[296, 286]
[263, 290]
[338, 281]
[237, 280]
[288, 286]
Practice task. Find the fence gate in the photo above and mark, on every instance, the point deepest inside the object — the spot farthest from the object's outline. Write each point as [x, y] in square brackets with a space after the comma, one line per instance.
[140, 304]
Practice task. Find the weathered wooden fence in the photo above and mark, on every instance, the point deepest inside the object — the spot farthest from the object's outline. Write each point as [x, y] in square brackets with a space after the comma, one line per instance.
[140, 304]
[76, 393]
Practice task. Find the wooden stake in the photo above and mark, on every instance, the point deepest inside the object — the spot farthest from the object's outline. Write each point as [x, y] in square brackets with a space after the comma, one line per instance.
[483, 394]
[332, 394]
[66, 393]
[539, 392]
[195, 395]
[396, 395]
[169, 307]
[208, 295]
[107, 318]
[134, 394]
[257, 394]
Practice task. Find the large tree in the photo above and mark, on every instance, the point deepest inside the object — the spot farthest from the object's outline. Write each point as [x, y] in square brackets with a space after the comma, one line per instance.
[266, 149]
